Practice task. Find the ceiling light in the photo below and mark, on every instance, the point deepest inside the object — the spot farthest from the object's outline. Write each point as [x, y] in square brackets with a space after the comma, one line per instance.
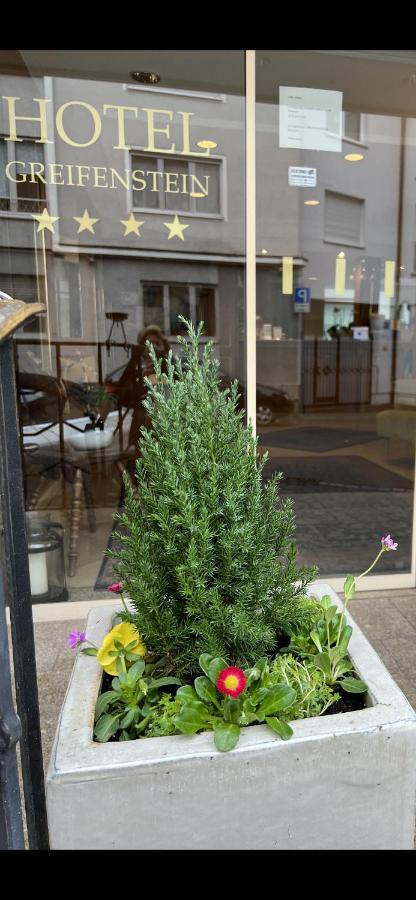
[264, 252]
[207, 145]
[197, 194]
[145, 77]
[353, 157]
[311, 202]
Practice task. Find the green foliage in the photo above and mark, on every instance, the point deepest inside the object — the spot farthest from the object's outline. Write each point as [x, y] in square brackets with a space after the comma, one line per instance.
[128, 708]
[313, 695]
[207, 555]
[161, 722]
[326, 646]
[205, 708]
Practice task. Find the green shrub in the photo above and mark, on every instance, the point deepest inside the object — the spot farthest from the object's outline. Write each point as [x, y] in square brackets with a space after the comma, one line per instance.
[207, 554]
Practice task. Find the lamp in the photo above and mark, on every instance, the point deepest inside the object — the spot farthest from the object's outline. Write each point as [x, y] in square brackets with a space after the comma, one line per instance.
[45, 541]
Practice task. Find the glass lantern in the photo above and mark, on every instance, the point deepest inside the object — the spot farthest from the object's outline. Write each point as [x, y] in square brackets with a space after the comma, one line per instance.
[45, 541]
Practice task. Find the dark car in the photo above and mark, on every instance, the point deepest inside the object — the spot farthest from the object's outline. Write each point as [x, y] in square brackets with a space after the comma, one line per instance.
[271, 402]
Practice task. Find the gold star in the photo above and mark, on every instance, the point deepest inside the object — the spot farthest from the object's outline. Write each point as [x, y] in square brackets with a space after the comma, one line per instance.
[176, 229]
[45, 221]
[86, 223]
[131, 225]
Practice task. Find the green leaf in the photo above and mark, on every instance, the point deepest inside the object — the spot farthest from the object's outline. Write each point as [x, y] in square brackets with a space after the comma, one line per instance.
[106, 727]
[206, 691]
[103, 701]
[187, 693]
[281, 728]
[344, 639]
[193, 717]
[204, 661]
[215, 667]
[142, 725]
[89, 651]
[330, 613]
[335, 654]
[316, 640]
[128, 719]
[349, 587]
[118, 645]
[323, 662]
[137, 669]
[124, 736]
[231, 709]
[326, 601]
[163, 682]
[353, 685]
[226, 736]
[278, 697]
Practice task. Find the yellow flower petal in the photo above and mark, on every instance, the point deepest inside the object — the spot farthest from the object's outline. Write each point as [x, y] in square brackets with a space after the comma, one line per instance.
[125, 632]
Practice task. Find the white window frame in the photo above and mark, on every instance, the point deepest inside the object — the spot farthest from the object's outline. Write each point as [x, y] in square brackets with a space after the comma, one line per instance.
[193, 213]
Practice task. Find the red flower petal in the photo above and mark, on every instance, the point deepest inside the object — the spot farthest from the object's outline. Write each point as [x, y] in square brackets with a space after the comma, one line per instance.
[231, 681]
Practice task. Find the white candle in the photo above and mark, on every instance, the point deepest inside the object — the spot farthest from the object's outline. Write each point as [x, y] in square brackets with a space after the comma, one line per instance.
[38, 574]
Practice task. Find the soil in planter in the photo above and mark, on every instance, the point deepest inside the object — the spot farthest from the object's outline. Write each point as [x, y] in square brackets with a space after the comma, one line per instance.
[346, 703]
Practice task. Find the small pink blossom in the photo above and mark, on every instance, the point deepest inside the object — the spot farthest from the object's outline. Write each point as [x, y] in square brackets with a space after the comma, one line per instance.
[116, 588]
[388, 543]
[75, 637]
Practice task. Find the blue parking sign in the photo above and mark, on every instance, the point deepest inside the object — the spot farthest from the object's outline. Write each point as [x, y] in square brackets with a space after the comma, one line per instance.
[302, 298]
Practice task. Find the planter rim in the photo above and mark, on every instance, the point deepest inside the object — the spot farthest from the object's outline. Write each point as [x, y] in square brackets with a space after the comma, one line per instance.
[76, 757]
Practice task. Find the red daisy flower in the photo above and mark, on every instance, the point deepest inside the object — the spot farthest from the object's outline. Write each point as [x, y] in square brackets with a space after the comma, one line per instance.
[231, 681]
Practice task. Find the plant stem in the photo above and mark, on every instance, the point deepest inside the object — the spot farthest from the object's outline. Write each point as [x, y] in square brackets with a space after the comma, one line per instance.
[344, 605]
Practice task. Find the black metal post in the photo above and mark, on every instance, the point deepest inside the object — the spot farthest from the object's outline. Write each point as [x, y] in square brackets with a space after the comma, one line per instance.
[16, 570]
[11, 826]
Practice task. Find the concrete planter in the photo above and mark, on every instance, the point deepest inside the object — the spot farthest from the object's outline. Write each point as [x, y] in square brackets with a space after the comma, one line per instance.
[344, 781]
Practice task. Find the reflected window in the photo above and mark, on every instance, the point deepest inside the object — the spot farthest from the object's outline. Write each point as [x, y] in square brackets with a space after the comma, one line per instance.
[178, 185]
[353, 126]
[164, 303]
[344, 219]
[25, 191]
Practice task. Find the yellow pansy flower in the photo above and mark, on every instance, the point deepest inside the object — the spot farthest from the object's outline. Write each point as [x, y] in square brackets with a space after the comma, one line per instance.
[125, 633]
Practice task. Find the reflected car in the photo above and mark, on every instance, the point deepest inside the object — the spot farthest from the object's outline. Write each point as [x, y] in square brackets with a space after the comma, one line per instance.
[271, 403]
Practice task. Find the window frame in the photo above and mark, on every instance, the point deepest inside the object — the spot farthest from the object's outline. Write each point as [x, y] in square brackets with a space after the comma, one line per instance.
[159, 157]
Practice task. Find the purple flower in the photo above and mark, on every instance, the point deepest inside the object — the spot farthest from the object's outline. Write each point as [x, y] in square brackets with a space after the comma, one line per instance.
[388, 543]
[116, 588]
[75, 637]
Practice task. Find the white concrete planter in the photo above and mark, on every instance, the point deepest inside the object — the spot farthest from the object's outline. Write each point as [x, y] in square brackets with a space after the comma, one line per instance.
[344, 781]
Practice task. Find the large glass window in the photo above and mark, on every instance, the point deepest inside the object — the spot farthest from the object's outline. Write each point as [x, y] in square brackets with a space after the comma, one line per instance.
[336, 301]
[122, 208]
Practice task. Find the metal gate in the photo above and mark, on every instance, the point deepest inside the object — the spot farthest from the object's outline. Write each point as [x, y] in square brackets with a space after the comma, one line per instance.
[336, 372]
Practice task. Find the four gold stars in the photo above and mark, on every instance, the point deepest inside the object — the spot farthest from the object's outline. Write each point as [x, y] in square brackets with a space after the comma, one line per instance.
[86, 223]
[176, 229]
[45, 221]
[131, 225]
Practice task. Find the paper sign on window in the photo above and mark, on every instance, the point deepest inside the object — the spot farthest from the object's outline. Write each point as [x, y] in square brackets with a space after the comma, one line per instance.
[310, 119]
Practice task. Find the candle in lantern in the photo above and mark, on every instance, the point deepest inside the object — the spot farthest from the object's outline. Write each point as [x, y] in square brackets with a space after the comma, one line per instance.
[38, 574]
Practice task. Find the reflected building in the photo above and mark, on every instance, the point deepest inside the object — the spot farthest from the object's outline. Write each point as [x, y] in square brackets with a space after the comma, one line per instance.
[123, 207]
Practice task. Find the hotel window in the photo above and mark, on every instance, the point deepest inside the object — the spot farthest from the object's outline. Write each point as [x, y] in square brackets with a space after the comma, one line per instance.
[166, 183]
[352, 126]
[28, 196]
[164, 303]
[344, 219]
